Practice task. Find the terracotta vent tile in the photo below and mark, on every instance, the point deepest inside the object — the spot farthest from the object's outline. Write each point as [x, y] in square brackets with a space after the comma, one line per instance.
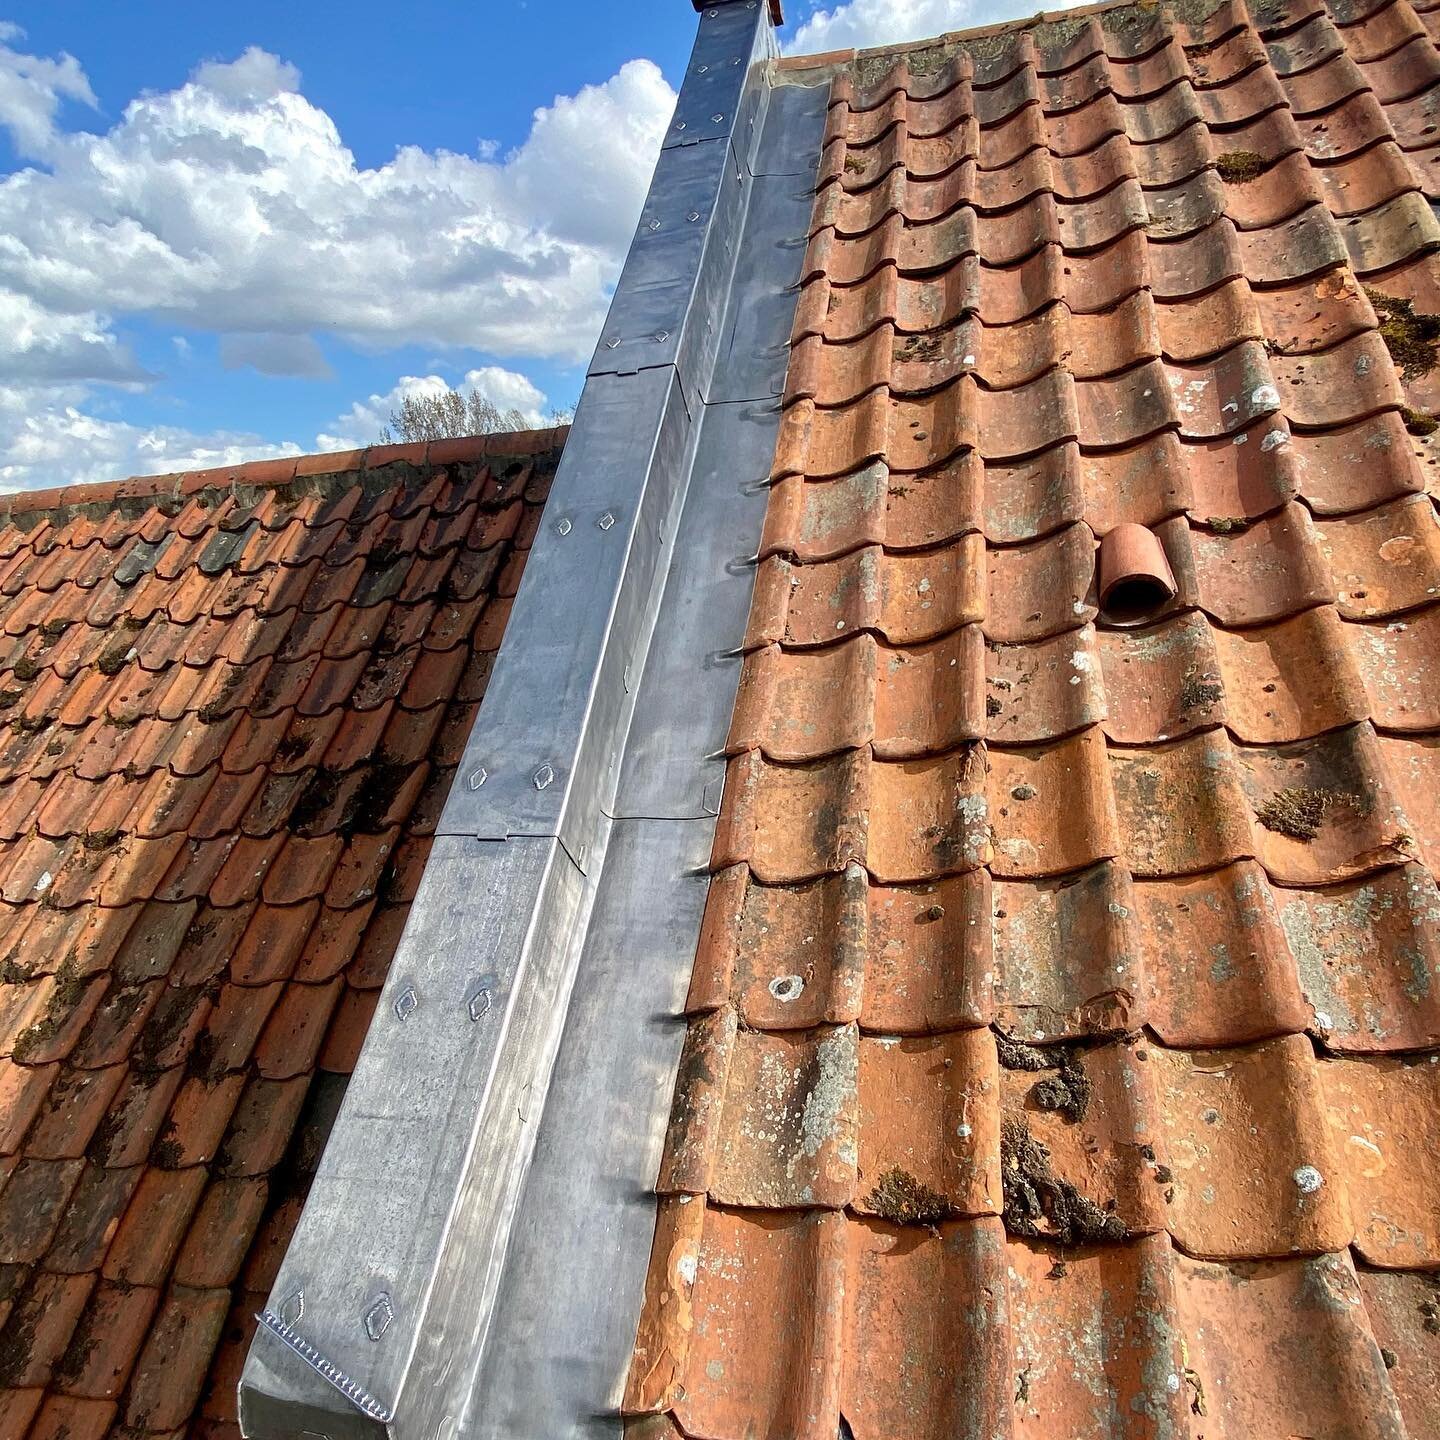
[1148, 942]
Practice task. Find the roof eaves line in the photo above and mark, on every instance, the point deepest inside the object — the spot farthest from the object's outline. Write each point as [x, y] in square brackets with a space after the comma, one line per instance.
[275, 474]
[411, 1225]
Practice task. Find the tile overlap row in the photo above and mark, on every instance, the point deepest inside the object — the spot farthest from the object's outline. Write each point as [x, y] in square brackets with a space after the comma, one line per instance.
[1064, 1044]
[232, 703]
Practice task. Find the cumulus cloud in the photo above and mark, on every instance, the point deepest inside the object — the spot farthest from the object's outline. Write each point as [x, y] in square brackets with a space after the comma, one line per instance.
[231, 204]
[49, 442]
[891, 22]
[271, 354]
[363, 422]
[32, 90]
[39, 346]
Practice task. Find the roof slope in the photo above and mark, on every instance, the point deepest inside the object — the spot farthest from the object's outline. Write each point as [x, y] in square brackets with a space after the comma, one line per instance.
[1065, 1025]
[232, 703]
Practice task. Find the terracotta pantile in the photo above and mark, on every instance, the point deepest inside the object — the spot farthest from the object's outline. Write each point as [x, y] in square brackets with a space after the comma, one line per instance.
[904, 598]
[1034, 834]
[889, 1384]
[1244, 1189]
[65, 1418]
[1236, 585]
[1324, 808]
[1385, 560]
[1064, 959]
[1357, 467]
[272, 943]
[1043, 689]
[39, 1327]
[197, 1120]
[96, 1206]
[154, 1226]
[1040, 589]
[74, 1107]
[1364, 956]
[347, 1031]
[261, 1126]
[874, 693]
[23, 1091]
[730, 1375]
[135, 1117]
[220, 1233]
[953, 1077]
[1382, 1108]
[172, 1366]
[912, 820]
[296, 1030]
[18, 1407]
[1181, 807]
[1397, 660]
[104, 1345]
[1398, 1307]
[32, 1205]
[1220, 969]
[770, 1119]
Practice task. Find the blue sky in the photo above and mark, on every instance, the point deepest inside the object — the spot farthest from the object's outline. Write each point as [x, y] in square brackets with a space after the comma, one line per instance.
[232, 232]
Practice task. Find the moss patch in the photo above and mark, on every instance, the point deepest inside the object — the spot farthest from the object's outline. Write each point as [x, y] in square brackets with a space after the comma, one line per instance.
[1196, 691]
[919, 347]
[67, 995]
[1412, 337]
[1040, 1204]
[1417, 422]
[113, 657]
[1226, 524]
[1066, 1091]
[902, 1200]
[1239, 167]
[930, 61]
[1295, 811]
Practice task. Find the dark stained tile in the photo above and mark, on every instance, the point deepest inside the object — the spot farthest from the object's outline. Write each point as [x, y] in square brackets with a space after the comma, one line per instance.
[167, 853]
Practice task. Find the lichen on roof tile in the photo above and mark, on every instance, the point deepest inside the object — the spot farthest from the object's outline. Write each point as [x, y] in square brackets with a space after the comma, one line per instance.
[1171, 265]
[206, 773]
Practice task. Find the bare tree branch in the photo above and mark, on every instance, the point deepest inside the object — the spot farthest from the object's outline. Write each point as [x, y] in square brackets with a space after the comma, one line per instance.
[451, 413]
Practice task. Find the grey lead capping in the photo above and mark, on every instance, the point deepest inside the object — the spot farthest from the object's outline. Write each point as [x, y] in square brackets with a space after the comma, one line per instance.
[471, 1256]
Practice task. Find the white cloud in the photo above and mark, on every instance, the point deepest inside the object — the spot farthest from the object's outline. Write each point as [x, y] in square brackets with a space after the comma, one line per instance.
[273, 354]
[31, 92]
[39, 346]
[362, 423]
[508, 389]
[45, 444]
[232, 205]
[863, 23]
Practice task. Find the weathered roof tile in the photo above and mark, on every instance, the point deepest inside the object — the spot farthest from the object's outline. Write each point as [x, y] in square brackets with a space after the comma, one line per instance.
[206, 771]
[1149, 941]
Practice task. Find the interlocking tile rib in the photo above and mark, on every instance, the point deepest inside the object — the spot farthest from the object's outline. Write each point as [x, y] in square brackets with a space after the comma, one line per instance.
[222, 697]
[1063, 1027]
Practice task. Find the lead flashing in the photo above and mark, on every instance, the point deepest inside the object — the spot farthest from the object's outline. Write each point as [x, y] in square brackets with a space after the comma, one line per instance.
[406, 1275]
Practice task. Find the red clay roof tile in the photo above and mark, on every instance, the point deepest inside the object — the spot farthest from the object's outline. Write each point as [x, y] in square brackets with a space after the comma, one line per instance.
[173, 702]
[1162, 268]
[104, 1346]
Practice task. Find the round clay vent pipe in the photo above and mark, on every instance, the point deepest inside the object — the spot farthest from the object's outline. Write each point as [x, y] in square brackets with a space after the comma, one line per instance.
[1135, 577]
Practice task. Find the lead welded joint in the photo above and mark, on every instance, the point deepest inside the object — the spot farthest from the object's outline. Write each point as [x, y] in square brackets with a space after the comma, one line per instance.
[1135, 575]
